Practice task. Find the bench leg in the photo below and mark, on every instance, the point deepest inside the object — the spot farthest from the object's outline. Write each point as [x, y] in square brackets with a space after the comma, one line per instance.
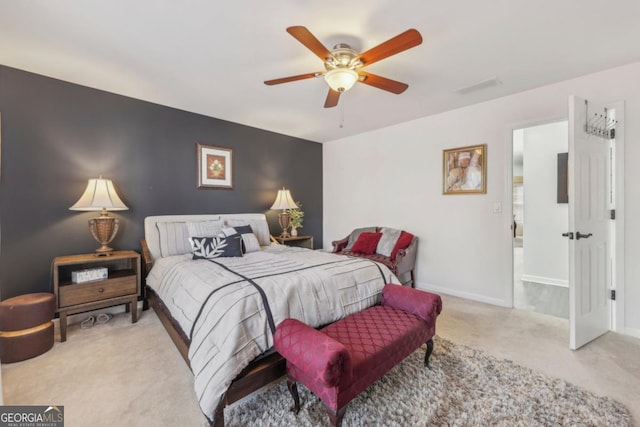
[428, 352]
[335, 418]
[293, 389]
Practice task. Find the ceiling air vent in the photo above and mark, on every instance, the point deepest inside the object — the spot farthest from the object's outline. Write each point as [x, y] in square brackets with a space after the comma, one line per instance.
[493, 81]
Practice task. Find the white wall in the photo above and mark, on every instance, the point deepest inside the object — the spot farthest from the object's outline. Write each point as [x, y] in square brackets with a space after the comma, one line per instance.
[545, 251]
[393, 177]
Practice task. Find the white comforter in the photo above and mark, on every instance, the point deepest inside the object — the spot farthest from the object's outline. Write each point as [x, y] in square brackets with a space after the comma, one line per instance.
[224, 315]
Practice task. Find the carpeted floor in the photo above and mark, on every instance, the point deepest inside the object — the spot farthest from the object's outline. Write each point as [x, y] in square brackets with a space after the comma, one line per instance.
[465, 387]
[132, 375]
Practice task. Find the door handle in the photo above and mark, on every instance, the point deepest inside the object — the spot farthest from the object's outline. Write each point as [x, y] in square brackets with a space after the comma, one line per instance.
[568, 234]
[579, 235]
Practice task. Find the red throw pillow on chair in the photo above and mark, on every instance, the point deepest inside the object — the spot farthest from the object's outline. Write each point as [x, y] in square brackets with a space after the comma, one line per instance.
[403, 242]
[367, 243]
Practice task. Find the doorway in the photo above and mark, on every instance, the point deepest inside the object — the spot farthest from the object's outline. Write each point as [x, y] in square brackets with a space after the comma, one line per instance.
[540, 253]
[590, 289]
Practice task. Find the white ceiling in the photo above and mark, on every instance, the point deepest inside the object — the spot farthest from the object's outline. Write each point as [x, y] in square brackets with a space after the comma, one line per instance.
[211, 57]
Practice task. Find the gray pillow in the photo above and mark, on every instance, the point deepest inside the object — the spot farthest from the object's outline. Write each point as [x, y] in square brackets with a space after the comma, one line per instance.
[388, 241]
[354, 236]
[174, 238]
[208, 228]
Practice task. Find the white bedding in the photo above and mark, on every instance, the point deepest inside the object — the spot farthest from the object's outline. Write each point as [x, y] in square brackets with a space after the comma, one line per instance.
[231, 328]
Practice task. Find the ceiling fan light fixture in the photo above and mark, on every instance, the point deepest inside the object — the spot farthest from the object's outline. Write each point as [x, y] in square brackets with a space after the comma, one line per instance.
[341, 79]
[343, 65]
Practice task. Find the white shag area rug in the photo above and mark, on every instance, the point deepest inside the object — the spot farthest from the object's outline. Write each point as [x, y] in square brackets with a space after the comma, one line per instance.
[465, 387]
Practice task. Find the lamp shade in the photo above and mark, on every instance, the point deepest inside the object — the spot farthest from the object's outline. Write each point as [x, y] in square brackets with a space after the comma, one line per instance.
[99, 194]
[284, 200]
[341, 79]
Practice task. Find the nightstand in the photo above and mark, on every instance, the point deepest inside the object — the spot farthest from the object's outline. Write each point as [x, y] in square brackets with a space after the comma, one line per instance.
[299, 241]
[122, 285]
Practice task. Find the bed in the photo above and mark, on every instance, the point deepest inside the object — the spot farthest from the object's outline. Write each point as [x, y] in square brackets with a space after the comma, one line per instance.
[221, 312]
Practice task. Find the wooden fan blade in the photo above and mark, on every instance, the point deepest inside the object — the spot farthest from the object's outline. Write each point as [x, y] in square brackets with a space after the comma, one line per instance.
[382, 83]
[399, 43]
[305, 37]
[332, 98]
[291, 78]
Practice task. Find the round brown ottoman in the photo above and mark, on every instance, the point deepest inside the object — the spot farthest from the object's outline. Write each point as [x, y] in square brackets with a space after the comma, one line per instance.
[26, 329]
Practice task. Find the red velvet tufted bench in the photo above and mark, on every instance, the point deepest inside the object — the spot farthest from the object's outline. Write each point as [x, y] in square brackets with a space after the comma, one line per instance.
[341, 360]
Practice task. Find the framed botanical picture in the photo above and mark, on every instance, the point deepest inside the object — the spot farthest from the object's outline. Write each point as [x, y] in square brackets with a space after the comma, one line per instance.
[465, 170]
[215, 167]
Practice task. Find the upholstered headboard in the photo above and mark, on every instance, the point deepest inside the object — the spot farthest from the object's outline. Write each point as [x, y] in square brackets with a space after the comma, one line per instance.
[152, 234]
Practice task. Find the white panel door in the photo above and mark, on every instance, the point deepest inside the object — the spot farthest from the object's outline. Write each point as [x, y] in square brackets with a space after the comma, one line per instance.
[588, 175]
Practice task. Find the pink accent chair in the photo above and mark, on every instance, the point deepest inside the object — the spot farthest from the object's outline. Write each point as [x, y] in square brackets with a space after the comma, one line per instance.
[341, 360]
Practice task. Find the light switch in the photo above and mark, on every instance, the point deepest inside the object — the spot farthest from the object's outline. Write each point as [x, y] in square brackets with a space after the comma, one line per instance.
[497, 207]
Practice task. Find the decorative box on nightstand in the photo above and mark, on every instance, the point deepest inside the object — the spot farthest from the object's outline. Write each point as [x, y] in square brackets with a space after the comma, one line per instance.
[121, 286]
[300, 241]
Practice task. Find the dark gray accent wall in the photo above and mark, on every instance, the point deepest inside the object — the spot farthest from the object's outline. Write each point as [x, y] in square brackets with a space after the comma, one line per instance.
[56, 135]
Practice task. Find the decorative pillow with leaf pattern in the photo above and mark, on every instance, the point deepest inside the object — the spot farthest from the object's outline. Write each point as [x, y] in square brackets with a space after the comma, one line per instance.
[214, 247]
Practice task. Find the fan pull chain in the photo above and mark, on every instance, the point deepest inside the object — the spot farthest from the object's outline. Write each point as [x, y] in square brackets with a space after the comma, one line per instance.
[342, 115]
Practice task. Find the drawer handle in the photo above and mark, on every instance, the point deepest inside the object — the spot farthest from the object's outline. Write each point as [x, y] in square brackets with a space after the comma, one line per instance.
[100, 290]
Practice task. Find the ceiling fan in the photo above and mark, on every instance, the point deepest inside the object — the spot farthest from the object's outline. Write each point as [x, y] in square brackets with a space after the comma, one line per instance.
[343, 65]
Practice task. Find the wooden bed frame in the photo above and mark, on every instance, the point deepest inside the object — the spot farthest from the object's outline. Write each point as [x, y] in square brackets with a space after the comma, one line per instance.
[262, 371]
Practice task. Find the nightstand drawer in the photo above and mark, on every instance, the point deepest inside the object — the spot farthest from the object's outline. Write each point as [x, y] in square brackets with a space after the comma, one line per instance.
[96, 291]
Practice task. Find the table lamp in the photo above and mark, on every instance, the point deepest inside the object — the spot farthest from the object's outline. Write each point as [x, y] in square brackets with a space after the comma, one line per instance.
[284, 201]
[100, 195]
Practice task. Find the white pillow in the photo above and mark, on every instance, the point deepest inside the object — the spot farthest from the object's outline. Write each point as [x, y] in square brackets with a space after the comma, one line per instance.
[174, 238]
[209, 228]
[259, 226]
[251, 243]
[388, 240]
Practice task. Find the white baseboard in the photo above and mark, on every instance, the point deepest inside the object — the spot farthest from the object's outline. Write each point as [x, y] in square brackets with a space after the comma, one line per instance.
[632, 332]
[466, 295]
[545, 280]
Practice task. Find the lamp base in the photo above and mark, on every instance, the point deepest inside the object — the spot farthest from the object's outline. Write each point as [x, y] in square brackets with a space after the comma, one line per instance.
[103, 250]
[104, 230]
[283, 220]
